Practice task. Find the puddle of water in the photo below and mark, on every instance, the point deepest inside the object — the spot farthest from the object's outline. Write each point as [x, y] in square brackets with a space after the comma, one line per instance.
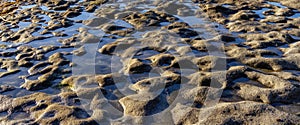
[295, 37]
[164, 23]
[124, 5]
[98, 33]
[146, 54]
[3, 114]
[145, 7]
[194, 21]
[190, 4]
[28, 6]
[2, 70]
[51, 91]
[46, 18]
[123, 23]
[44, 8]
[71, 30]
[191, 20]
[83, 16]
[276, 4]
[271, 23]
[296, 15]
[260, 12]
[37, 33]
[13, 79]
[23, 24]
[274, 49]
[18, 92]
[59, 50]
[14, 29]
[49, 41]
[295, 72]
[227, 5]
[4, 43]
[196, 53]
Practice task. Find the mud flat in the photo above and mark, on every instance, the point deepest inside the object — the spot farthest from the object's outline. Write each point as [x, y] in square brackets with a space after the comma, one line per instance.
[142, 62]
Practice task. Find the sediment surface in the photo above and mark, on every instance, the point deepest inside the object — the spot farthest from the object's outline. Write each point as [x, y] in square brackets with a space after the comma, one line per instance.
[150, 62]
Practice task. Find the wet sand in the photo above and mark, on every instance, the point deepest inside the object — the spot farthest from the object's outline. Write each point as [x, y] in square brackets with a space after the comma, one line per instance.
[150, 62]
